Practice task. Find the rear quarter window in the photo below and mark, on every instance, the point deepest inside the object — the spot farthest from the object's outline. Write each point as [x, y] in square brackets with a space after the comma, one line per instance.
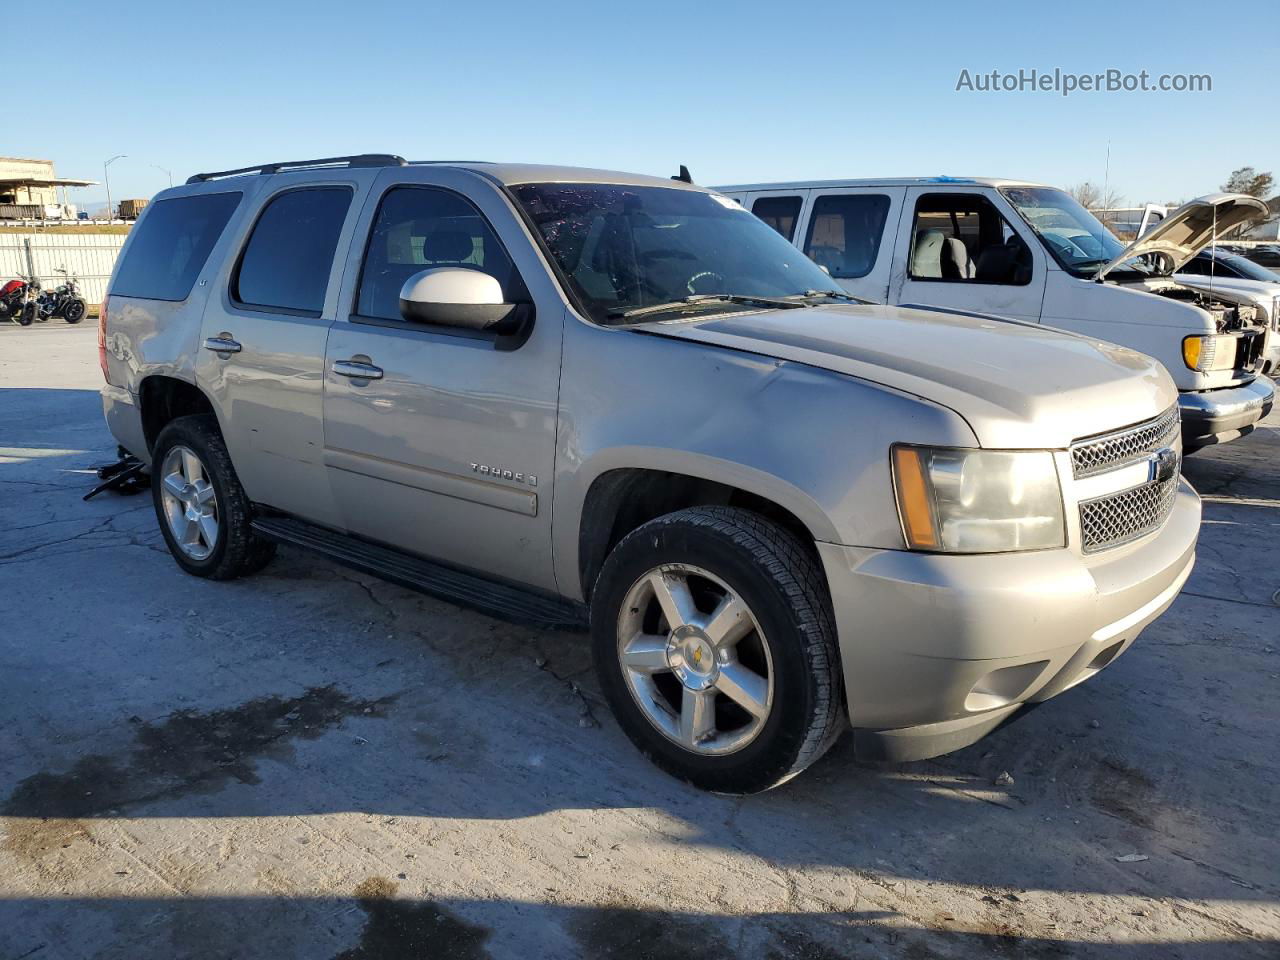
[171, 244]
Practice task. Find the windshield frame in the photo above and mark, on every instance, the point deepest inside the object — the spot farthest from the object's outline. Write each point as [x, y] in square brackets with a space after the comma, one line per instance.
[696, 308]
[1083, 273]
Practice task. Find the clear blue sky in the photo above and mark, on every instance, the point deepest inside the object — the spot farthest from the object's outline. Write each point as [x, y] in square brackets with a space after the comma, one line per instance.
[737, 91]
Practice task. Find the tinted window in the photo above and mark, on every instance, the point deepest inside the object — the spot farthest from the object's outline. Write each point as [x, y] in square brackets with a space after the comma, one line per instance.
[780, 213]
[286, 263]
[844, 232]
[171, 244]
[418, 228]
[963, 238]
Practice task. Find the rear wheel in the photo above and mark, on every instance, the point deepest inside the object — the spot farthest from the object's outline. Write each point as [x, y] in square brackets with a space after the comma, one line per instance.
[202, 509]
[714, 642]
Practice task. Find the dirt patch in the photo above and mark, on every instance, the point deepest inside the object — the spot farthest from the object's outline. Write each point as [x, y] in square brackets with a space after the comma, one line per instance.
[186, 753]
[408, 928]
[1123, 792]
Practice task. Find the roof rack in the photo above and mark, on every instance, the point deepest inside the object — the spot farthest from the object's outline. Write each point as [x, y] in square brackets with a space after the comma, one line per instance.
[357, 160]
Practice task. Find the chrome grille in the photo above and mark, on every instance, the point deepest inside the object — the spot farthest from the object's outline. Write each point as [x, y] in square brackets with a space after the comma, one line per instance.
[1109, 450]
[1120, 517]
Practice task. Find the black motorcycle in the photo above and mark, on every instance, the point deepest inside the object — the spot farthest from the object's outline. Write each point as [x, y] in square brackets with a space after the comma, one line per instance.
[63, 301]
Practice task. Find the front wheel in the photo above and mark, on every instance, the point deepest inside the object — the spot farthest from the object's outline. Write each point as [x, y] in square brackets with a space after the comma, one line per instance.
[74, 311]
[714, 640]
[28, 315]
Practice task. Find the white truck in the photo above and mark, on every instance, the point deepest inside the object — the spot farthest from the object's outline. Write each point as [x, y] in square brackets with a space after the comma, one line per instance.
[1029, 252]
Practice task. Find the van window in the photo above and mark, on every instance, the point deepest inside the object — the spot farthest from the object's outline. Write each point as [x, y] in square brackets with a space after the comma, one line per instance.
[844, 232]
[171, 244]
[781, 213]
[286, 263]
[421, 227]
[962, 238]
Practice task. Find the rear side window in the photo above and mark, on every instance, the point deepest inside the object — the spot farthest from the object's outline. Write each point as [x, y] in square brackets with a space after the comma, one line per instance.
[286, 263]
[422, 227]
[844, 232]
[171, 245]
[780, 213]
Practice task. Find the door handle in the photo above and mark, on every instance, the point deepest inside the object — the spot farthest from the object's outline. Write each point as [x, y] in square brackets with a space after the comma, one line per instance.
[222, 344]
[356, 370]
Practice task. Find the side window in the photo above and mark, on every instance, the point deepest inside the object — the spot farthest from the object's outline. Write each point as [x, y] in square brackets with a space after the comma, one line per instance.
[780, 213]
[963, 238]
[421, 227]
[1198, 266]
[845, 231]
[171, 246]
[286, 263]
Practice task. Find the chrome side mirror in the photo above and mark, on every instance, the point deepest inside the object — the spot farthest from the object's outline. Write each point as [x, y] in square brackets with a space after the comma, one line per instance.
[460, 297]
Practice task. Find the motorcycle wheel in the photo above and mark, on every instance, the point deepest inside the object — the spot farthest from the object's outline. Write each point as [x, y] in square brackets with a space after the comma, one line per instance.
[74, 311]
[28, 315]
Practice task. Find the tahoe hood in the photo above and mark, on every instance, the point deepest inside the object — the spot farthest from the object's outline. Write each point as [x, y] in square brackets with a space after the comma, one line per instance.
[1018, 385]
[1192, 227]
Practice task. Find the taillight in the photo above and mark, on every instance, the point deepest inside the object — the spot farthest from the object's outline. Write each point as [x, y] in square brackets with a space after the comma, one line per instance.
[102, 339]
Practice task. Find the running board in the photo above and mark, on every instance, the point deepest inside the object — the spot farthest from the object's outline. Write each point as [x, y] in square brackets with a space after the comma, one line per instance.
[497, 599]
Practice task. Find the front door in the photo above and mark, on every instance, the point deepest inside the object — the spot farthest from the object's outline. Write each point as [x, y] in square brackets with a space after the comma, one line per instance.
[959, 248]
[446, 449]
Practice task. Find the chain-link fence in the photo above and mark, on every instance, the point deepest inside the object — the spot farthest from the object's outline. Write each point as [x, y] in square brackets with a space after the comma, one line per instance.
[89, 257]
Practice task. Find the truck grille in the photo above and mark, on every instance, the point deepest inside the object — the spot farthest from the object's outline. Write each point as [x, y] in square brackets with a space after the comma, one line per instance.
[1111, 450]
[1120, 517]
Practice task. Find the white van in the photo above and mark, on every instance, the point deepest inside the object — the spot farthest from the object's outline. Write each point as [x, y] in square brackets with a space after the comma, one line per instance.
[1031, 252]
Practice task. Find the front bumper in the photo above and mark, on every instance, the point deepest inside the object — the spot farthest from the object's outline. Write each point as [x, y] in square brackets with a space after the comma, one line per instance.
[124, 420]
[1216, 416]
[938, 649]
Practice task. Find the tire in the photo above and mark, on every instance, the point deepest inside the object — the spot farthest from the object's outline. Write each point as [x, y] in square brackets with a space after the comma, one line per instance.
[74, 311]
[233, 550]
[788, 641]
[28, 315]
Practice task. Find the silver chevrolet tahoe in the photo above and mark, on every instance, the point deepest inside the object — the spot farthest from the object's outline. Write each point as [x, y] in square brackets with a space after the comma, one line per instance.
[573, 397]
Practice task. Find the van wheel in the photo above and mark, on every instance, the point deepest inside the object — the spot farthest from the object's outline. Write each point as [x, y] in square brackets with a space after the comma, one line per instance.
[714, 640]
[202, 509]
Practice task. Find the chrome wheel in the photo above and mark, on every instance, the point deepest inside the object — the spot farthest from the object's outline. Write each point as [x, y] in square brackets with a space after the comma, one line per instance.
[695, 659]
[190, 503]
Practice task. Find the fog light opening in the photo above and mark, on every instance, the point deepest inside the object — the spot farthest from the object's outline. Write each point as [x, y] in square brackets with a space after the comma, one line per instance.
[1105, 656]
[999, 688]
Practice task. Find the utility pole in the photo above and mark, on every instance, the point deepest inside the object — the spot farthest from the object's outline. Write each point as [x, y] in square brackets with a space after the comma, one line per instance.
[111, 213]
[165, 171]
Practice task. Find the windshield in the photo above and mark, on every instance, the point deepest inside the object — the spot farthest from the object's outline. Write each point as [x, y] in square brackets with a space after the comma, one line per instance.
[1076, 238]
[625, 248]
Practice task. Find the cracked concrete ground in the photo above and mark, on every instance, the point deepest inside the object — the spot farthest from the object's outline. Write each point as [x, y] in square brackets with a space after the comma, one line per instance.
[312, 763]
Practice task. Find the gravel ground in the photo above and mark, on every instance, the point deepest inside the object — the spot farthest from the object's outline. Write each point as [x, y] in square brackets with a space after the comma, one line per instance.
[313, 763]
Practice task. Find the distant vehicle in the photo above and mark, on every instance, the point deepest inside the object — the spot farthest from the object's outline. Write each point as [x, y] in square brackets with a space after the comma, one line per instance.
[62, 301]
[1265, 254]
[13, 295]
[1020, 250]
[568, 395]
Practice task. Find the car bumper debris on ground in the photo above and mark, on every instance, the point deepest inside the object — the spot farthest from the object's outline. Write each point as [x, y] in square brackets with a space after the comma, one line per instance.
[315, 763]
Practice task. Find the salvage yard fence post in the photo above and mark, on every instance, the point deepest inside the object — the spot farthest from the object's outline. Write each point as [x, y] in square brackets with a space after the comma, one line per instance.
[89, 256]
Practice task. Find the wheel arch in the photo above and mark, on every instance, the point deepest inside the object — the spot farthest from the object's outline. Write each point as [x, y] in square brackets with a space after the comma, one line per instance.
[163, 398]
[622, 498]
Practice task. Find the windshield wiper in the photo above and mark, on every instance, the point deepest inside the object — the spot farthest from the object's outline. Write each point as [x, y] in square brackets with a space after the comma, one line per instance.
[837, 294]
[700, 298]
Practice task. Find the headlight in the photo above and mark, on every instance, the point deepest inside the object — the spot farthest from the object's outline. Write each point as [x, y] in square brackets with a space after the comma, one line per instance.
[1210, 352]
[978, 501]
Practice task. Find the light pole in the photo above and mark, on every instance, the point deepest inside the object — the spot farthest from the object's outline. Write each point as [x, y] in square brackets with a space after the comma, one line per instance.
[111, 214]
[165, 171]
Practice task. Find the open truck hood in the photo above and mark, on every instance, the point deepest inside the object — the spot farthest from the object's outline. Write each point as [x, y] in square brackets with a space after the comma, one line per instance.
[1191, 228]
[1018, 385]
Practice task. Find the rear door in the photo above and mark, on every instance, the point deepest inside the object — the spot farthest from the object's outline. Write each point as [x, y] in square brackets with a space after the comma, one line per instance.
[448, 450]
[849, 232]
[262, 348]
[965, 248]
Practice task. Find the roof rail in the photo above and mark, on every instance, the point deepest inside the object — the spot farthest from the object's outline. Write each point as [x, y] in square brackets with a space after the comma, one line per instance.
[357, 160]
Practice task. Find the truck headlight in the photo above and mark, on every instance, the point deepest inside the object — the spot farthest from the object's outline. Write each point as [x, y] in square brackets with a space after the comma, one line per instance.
[1209, 352]
[978, 501]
